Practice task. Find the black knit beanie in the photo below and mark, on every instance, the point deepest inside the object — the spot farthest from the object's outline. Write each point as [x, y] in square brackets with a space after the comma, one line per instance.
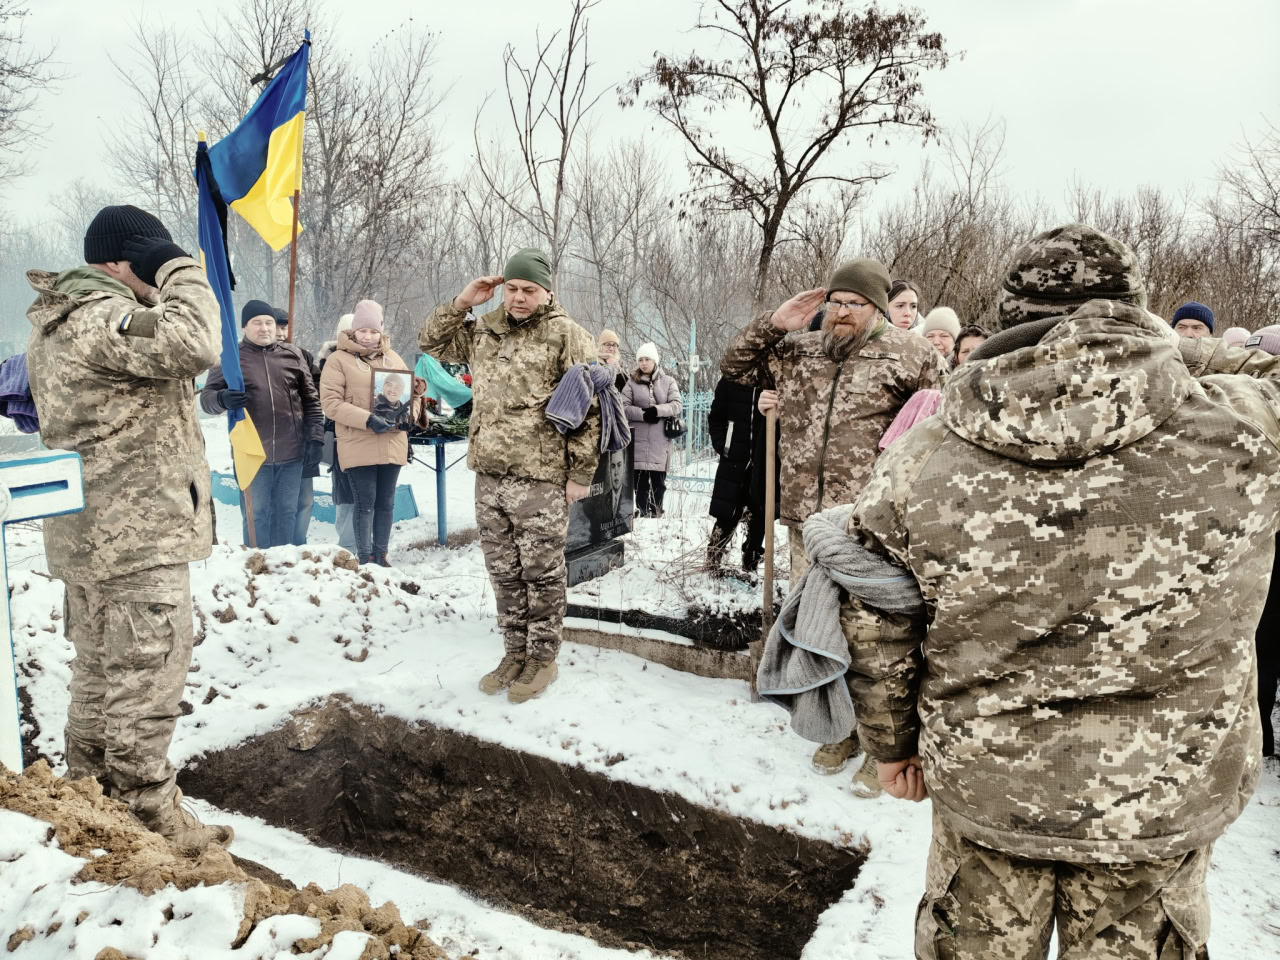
[104, 240]
[256, 308]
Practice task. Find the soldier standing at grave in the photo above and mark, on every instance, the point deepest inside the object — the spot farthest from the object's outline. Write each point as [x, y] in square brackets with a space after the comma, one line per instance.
[837, 389]
[527, 474]
[112, 361]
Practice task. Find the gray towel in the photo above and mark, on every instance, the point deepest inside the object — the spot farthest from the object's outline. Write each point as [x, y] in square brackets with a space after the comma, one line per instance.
[571, 401]
[804, 660]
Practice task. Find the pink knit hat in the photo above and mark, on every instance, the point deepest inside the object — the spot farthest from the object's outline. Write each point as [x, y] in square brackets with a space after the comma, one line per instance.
[368, 316]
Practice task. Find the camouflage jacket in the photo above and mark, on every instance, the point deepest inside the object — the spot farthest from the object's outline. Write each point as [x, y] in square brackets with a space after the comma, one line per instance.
[113, 380]
[831, 416]
[515, 368]
[1092, 529]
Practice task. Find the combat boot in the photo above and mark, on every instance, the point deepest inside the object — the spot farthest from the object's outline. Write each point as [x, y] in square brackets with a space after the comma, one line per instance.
[503, 675]
[866, 782]
[536, 676]
[830, 758]
[181, 828]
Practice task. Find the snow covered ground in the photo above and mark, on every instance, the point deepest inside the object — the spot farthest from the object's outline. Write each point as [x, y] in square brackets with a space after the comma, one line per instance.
[303, 629]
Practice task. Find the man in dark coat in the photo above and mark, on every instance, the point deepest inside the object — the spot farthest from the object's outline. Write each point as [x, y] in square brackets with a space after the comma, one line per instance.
[735, 423]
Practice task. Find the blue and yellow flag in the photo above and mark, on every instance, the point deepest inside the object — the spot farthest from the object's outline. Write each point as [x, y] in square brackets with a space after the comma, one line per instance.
[259, 164]
[246, 446]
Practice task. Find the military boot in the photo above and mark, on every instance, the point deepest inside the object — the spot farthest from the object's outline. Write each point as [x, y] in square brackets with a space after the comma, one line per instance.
[181, 828]
[830, 758]
[866, 783]
[503, 675]
[536, 676]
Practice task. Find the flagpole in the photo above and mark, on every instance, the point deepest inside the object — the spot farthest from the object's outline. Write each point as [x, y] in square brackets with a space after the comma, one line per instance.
[293, 257]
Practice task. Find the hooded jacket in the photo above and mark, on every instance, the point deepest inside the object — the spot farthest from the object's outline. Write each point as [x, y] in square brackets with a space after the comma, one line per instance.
[832, 414]
[515, 366]
[1092, 529]
[346, 395]
[283, 402]
[113, 380]
[649, 440]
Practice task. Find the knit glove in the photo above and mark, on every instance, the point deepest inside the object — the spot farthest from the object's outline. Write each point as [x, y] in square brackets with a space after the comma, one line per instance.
[377, 424]
[232, 399]
[146, 255]
[650, 414]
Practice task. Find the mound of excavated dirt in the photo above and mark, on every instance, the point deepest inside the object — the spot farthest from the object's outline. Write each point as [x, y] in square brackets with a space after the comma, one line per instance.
[119, 850]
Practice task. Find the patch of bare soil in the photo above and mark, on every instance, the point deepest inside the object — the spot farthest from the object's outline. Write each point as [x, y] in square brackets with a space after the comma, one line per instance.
[83, 820]
[564, 846]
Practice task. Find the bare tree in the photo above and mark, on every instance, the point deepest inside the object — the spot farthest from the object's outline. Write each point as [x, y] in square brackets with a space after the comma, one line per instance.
[548, 100]
[1254, 184]
[24, 71]
[863, 67]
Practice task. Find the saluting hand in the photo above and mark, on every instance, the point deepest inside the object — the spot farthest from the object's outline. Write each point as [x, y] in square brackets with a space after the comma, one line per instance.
[478, 291]
[796, 313]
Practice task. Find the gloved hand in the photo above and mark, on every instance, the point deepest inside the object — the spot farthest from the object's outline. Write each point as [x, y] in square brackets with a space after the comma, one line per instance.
[315, 450]
[146, 255]
[650, 414]
[377, 424]
[233, 399]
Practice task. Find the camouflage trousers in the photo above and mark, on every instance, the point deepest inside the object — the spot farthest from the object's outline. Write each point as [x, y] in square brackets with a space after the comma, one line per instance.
[132, 637]
[799, 559]
[980, 904]
[523, 525]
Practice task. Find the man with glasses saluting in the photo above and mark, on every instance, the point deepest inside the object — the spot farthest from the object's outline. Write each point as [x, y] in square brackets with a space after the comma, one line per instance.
[837, 388]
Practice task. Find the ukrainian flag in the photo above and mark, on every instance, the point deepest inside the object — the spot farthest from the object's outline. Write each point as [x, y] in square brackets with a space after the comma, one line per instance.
[246, 446]
[258, 165]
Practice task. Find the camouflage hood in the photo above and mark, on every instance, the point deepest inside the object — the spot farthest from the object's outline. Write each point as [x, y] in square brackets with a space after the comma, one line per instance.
[1098, 380]
[60, 293]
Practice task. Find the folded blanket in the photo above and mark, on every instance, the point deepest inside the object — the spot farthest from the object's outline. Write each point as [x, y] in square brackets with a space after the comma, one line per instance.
[922, 405]
[571, 401]
[15, 394]
[804, 660]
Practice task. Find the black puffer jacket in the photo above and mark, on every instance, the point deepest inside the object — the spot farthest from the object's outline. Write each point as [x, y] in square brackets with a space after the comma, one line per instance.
[283, 401]
[737, 434]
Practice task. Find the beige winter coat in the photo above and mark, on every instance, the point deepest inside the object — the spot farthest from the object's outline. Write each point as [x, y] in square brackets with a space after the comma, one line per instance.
[346, 388]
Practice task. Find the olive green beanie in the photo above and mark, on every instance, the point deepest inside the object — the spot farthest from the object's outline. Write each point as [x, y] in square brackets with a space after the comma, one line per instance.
[529, 264]
[868, 278]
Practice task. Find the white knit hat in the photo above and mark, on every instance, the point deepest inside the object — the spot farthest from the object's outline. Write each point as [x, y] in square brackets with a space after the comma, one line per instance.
[344, 323]
[648, 351]
[942, 318]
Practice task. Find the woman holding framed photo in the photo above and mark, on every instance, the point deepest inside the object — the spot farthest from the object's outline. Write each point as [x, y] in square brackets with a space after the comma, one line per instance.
[363, 389]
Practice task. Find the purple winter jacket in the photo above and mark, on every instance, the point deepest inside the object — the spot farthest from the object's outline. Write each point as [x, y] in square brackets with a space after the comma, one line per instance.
[652, 448]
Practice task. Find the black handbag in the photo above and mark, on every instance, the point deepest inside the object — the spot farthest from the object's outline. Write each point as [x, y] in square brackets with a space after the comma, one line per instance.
[673, 428]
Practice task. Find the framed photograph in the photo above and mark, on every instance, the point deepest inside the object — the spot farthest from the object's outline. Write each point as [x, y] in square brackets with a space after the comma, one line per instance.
[390, 397]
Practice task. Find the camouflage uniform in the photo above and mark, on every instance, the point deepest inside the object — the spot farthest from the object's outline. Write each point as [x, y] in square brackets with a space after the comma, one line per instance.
[831, 415]
[1092, 529]
[521, 461]
[112, 380]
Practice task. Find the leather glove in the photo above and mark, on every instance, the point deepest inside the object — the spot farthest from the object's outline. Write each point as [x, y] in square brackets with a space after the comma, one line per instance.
[233, 399]
[377, 424]
[314, 452]
[146, 255]
[650, 414]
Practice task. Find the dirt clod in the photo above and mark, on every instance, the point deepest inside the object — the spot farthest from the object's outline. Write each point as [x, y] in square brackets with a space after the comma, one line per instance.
[84, 820]
[346, 561]
[20, 937]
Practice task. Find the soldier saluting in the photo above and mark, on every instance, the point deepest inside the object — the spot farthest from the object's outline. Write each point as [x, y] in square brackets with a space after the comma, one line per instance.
[527, 474]
[112, 361]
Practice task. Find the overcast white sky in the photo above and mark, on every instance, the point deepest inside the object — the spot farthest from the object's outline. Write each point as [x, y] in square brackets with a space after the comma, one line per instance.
[1116, 93]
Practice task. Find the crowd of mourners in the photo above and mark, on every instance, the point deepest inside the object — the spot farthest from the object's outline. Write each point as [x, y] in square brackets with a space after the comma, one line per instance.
[1030, 566]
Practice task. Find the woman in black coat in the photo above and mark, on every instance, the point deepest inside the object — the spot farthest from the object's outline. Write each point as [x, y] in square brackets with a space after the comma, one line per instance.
[737, 434]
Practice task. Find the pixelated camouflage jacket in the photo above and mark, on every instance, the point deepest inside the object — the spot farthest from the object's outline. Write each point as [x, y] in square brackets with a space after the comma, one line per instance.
[515, 367]
[831, 416]
[122, 395]
[1092, 529]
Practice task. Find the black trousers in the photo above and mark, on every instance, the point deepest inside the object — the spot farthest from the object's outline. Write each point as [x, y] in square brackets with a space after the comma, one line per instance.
[373, 494]
[752, 546]
[651, 487]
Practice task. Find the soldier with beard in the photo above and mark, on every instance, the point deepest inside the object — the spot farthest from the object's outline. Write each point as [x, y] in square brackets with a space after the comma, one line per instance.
[837, 389]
